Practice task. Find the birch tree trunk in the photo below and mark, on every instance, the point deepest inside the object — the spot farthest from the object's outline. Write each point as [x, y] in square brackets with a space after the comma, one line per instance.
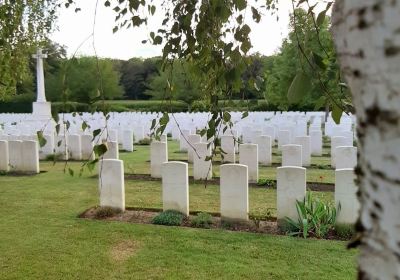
[367, 38]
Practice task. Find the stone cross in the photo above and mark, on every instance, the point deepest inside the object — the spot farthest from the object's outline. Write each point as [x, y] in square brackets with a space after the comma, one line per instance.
[41, 97]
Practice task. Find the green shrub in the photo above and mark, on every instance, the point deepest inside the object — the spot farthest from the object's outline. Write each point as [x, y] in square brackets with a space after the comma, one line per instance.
[199, 106]
[322, 166]
[259, 216]
[51, 157]
[266, 182]
[105, 212]
[69, 107]
[227, 224]
[156, 106]
[202, 220]
[15, 107]
[344, 231]
[169, 218]
[314, 218]
[144, 142]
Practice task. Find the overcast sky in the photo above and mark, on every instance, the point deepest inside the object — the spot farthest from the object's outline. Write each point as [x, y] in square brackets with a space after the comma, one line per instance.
[74, 28]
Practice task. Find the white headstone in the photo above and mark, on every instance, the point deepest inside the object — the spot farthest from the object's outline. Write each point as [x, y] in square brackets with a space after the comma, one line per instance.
[234, 192]
[291, 186]
[316, 142]
[192, 139]
[112, 151]
[15, 155]
[248, 155]
[346, 157]
[202, 169]
[291, 155]
[30, 157]
[127, 140]
[264, 149]
[175, 186]
[284, 138]
[270, 131]
[4, 158]
[345, 194]
[228, 146]
[111, 183]
[183, 140]
[48, 148]
[87, 147]
[61, 147]
[337, 141]
[74, 147]
[158, 155]
[304, 141]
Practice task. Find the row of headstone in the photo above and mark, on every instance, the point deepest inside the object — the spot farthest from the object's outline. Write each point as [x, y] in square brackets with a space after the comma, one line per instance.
[234, 197]
[118, 124]
[19, 156]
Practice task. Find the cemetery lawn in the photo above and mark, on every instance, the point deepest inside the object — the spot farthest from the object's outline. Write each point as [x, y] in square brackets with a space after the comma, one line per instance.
[42, 238]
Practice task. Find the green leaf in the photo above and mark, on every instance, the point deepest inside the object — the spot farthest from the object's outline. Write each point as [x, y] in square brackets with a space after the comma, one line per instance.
[245, 114]
[91, 164]
[153, 124]
[240, 4]
[136, 21]
[319, 61]
[96, 132]
[115, 29]
[164, 119]
[336, 113]
[107, 3]
[100, 149]
[157, 40]
[153, 10]
[227, 117]
[321, 18]
[320, 103]
[299, 88]
[54, 114]
[84, 126]
[71, 172]
[41, 139]
[256, 15]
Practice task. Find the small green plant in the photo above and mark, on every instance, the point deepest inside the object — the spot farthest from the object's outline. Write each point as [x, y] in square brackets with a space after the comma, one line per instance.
[105, 212]
[50, 157]
[344, 231]
[227, 224]
[202, 220]
[258, 216]
[315, 218]
[169, 218]
[266, 182]
[144, 142]
[322, 166]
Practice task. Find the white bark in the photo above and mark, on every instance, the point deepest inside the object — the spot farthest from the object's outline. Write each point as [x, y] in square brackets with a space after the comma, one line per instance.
[367, 38]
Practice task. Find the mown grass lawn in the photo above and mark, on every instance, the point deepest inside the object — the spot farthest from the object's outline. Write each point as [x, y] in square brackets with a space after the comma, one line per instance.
[42, 238]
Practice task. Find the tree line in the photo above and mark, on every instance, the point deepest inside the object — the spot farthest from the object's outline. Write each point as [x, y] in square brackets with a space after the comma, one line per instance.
[267, 78]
